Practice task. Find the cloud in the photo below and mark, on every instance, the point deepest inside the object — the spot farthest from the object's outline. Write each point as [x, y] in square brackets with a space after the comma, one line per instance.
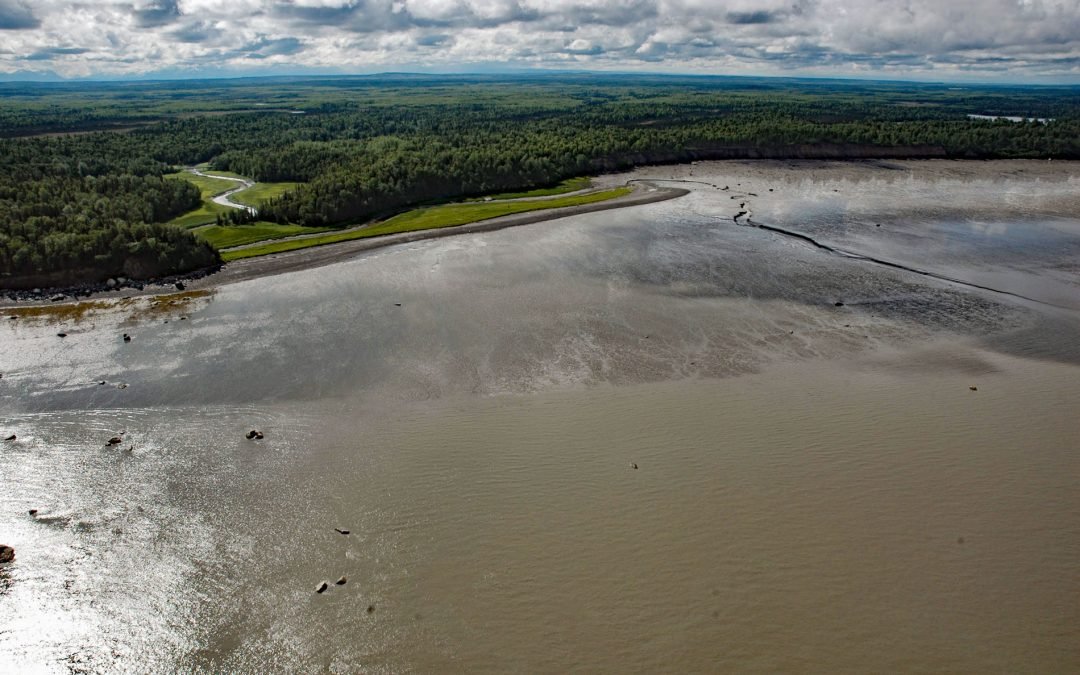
[196, 31]
[1014, 39]
[16, 15]
[750, 17]
[156, 13]
[264, 48]
[50, 53]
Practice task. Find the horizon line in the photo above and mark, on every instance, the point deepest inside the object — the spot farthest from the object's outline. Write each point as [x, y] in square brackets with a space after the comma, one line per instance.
[15, 78]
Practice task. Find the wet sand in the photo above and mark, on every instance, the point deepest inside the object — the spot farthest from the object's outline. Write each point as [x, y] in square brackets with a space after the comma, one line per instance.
[818, 487]
[319, 256]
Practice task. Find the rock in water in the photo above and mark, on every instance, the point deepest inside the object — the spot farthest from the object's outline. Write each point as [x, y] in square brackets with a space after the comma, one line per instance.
[322, 587]
[7, 554]
[341, 581]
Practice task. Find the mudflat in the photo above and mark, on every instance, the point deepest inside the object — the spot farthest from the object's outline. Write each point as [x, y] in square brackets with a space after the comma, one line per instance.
[647, 439]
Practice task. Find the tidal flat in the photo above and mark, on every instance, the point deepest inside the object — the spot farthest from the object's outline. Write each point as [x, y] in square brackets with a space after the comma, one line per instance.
[659, 438]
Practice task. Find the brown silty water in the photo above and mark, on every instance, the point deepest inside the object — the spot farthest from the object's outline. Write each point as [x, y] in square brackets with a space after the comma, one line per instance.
[817, 487]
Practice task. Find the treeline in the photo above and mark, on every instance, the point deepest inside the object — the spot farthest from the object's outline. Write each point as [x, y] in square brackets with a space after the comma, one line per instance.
[355, 180]
[66, 230]
[93, 205]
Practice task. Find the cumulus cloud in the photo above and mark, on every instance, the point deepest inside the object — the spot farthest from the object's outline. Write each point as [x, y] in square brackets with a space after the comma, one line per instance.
[156, 13]
[1014, 39]
[16, 15]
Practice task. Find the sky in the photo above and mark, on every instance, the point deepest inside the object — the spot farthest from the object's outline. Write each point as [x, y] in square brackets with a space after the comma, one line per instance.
[940, 40]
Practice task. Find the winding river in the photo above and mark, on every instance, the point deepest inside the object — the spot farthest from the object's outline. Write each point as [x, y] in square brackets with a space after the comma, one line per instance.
[223, 199]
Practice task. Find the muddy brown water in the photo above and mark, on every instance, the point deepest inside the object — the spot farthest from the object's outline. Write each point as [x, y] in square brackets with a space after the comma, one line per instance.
[817, 487]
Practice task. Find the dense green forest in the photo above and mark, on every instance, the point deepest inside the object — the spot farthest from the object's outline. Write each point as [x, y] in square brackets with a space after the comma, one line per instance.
[77, 203]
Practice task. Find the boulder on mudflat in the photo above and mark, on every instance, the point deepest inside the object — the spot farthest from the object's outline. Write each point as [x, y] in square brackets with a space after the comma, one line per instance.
[115, 440]
[322, 587]
[341, 581]
[253, 435]
[10, 438]
[7, 554]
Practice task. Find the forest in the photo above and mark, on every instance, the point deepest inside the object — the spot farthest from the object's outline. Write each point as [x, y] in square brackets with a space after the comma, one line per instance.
[83, 192]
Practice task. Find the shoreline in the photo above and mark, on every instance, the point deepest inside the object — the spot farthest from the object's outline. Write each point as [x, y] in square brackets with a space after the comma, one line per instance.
[328, 254]
[651, 176]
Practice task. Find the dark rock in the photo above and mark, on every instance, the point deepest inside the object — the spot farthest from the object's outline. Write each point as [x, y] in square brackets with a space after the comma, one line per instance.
[57, 298]
[253, 434]
[10, 438]
[322, 587]
[115, 440]
[32, 512]
[340, 531]
[633, 465]
[180, 285]
[127, 338]
[341, 581]
[61, 335]
[7, 554]
[397, 304]
[838, 304]
[973, 388]
[370, 609]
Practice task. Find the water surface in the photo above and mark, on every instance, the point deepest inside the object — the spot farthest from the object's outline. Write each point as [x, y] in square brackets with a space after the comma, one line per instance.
[817, 488]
